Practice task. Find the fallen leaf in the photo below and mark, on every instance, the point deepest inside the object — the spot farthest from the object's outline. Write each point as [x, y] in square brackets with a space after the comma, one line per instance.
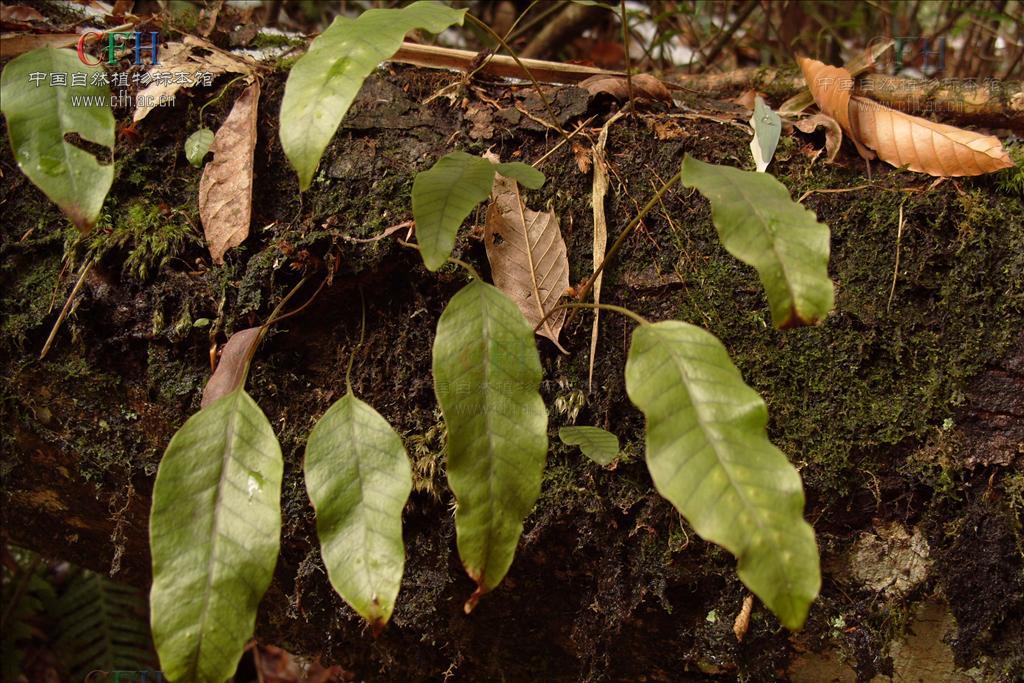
[225, 191]
[181, 62]
[528, 258]
[583, 157]
[599, 189]
[19, 14]
[742, 622]
[767, 128]
[746, 98]
[234, 361]
[645, 87]
[20, 43]
[856, 66]
[480, 116]
[667, 130]
[833, 133]
[897, 138]
[922, 145]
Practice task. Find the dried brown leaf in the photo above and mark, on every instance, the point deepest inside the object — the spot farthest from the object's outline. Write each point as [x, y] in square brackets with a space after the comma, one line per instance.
[742, 622]
[922, 145]
[583, 157]
[897, 138]
[481, 118]
[528, 258]
[225, 191]
[833, 133]
[747, 97]
[234, 362]
[20, 43]
[19, 14]
[645, 87]
[599, 189]
[182, 61]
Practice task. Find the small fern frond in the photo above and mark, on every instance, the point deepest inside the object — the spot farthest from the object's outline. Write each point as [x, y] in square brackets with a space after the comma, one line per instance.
[103, 626]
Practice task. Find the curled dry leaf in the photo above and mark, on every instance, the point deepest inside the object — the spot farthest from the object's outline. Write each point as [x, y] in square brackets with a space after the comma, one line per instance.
[185, 58]
[742, 622]
[233, 365]
[833, 133]
[225, 191]
[897, 138]
[645, 87]
[528, 258]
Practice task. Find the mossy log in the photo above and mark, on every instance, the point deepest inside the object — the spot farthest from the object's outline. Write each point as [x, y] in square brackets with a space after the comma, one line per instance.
[903, 407]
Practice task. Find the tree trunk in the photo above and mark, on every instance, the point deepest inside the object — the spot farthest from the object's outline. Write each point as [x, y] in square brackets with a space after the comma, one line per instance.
[902, 414]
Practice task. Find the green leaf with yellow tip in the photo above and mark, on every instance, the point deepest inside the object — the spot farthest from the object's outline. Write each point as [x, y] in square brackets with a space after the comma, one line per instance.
[709, 455]
[40, 119]
[487, 378]
[762, 226]
[324, 82]
[358, 478]
[215, 529]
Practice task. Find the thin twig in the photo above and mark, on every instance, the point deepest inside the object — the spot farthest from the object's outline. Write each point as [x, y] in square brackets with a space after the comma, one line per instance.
[621, 310]
[896, 267]
[451, 259]
[625, 47]
[619, 241]
[301, 308]
[67, 307]
[563, 141]
[726, 35]
[512, 53]
[362, 337]
[508, 33]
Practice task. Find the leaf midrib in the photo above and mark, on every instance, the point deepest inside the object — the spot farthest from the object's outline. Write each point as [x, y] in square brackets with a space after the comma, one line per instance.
[229, 448]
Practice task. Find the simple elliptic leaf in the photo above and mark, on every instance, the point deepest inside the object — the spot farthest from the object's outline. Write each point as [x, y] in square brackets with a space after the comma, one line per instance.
[197, 145]
[762, 226]
[41, 117]
[358, 477]
[767, 128]
[599, 445]
[215, 530]
[323, 84]
[487, 377]
[709, 455]
[444, 194]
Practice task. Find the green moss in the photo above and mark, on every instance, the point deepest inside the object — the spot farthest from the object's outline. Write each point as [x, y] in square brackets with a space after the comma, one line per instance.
[146, 237]
[171, 379]
[265, 40]
[1011, 180]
